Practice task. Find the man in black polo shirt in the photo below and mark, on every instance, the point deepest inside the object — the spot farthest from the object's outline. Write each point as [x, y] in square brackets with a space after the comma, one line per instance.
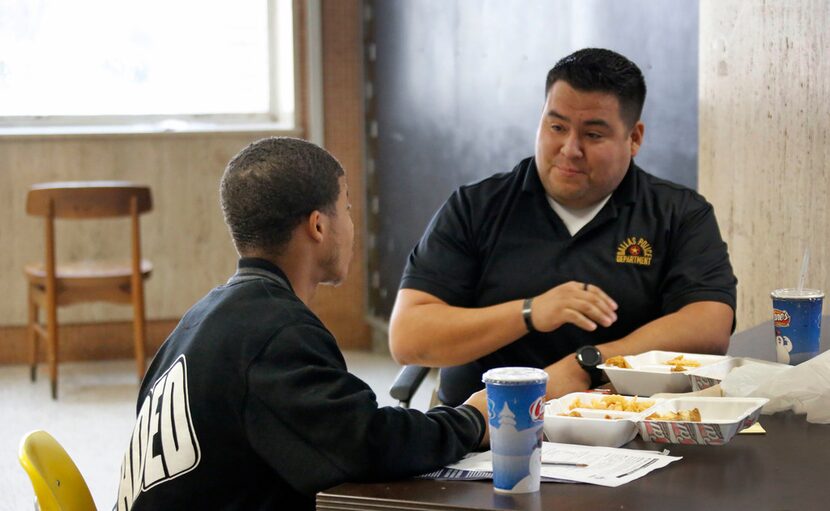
[573, 256]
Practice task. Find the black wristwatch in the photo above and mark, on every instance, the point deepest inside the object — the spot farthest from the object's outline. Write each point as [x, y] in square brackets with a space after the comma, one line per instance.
[588, 358]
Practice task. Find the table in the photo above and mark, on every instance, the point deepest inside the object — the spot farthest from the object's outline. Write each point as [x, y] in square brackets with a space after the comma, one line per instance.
[787, 468]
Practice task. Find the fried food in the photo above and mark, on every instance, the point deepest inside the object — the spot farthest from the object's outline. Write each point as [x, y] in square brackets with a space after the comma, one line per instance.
[618, 361]
[692, 415]
[680, 364]
[613, 402]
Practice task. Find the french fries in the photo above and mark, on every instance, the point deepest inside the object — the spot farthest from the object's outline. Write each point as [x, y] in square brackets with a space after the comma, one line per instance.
[613, 402]
[679, 364]
[618, 361]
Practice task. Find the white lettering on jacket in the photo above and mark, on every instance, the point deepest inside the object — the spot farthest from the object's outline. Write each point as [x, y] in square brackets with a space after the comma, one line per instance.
[164, 444]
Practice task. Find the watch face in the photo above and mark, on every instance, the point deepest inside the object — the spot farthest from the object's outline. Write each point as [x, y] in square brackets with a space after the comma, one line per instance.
[590, 356]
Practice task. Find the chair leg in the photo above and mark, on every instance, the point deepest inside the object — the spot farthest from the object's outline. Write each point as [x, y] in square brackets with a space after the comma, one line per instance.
[139, 334]
[52, 345]
[32, 336]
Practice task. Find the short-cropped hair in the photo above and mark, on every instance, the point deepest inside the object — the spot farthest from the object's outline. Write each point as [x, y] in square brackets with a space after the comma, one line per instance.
[271, 186]
[601, 70]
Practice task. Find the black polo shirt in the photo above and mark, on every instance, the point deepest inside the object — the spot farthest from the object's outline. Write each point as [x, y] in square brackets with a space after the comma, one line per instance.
[654, 248]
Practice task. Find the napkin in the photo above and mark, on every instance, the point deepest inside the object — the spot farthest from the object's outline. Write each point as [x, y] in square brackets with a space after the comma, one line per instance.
[804, 388]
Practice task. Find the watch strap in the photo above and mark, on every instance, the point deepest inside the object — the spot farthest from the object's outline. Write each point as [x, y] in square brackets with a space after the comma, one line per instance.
[593, 371]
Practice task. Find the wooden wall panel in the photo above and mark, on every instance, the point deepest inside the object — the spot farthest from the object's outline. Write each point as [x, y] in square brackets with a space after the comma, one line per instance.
[765, 141]
[343, 106]
[86, 341]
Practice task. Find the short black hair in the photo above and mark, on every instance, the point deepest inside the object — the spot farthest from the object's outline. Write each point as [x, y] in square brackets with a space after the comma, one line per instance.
[601, 70]
[271, 186]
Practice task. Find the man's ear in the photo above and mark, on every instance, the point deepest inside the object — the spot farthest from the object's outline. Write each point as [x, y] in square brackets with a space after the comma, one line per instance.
[637, 138]
[315, 225]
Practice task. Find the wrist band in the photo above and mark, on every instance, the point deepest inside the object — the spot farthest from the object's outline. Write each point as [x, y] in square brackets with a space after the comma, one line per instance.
[526, 305]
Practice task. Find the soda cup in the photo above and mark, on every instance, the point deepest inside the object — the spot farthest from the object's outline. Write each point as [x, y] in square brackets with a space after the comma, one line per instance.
[797, 319]
[516, 410]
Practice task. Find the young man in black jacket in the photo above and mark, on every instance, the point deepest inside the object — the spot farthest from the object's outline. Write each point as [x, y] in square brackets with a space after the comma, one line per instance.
[248, 404]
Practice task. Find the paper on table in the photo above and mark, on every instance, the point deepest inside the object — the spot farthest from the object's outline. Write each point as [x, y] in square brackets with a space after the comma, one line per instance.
[755, 429]
[607, 466]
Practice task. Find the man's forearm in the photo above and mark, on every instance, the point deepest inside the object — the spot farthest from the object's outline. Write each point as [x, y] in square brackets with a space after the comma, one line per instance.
[425, 330]
[440, 335]
[700, 327]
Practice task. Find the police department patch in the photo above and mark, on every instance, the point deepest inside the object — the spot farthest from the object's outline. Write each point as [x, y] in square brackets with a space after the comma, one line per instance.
[634, 250]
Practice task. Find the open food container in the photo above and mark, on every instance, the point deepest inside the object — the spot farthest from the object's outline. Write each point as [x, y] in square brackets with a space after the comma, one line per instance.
[583, 418]
[654, 372]
[720, 419]
[710, 375]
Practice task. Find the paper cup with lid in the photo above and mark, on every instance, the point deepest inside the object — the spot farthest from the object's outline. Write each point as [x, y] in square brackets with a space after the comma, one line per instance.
[797, 320]
[516, 413]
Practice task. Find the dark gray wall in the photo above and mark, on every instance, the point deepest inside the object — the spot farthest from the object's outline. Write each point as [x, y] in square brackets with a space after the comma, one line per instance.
[458, 88]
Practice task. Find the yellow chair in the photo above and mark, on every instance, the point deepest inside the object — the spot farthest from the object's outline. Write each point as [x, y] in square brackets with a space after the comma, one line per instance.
[53, 284]
[58, 484]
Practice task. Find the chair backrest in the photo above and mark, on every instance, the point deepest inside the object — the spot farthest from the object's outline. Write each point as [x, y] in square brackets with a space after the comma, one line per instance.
[87, 199]
[58, 484]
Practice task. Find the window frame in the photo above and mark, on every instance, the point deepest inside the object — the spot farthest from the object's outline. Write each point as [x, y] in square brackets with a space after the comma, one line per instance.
[284, 107]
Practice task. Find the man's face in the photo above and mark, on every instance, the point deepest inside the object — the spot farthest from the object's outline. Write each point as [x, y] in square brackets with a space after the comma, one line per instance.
[583, 147]
[340, 243]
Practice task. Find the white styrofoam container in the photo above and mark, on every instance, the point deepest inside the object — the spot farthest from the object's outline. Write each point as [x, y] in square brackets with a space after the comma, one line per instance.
[649, 375]
[721, 418]
[592, 428]
[712, 374]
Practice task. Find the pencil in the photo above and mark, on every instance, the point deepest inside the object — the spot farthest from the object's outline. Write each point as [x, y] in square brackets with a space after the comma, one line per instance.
[564, 464]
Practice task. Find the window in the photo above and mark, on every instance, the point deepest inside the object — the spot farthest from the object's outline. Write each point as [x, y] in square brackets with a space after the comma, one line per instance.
[169, 63]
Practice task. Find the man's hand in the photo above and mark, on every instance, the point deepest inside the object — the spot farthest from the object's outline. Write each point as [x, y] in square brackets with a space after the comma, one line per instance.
[584, 305]
[479, 402]
[565, 376]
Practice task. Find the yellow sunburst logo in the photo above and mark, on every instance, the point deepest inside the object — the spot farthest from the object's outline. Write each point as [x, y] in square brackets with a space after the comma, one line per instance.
[634, 250]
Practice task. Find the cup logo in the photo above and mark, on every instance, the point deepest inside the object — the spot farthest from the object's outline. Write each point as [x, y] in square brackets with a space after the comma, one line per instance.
[781, 318]
[491, 409]
[537, 409]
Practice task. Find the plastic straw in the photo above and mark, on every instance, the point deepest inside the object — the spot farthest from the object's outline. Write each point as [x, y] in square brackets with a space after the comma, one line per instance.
[805, 263]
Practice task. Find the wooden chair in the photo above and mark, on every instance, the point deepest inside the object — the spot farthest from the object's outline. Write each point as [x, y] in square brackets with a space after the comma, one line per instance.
[52, 285]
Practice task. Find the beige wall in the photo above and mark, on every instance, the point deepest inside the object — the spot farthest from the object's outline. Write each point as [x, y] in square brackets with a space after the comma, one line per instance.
[765, 141]
[184, 236]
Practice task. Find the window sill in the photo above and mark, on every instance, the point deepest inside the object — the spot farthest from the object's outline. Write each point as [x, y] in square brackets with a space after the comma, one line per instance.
[172, 127]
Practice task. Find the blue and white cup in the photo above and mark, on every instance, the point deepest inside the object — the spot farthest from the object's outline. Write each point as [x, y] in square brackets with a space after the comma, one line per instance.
[797, 319]
[516, 410]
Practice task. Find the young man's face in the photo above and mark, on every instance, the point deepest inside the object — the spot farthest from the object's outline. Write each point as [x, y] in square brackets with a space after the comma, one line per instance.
[340, 243]
[583, 146]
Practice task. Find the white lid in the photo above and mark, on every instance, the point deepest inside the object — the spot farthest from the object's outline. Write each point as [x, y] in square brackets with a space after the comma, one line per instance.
[515, 375]
[793, 293]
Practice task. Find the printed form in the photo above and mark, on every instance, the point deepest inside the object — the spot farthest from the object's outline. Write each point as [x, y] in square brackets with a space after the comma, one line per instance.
[569, 463]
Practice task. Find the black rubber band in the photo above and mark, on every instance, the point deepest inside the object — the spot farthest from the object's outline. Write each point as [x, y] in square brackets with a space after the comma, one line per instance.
[526, 308]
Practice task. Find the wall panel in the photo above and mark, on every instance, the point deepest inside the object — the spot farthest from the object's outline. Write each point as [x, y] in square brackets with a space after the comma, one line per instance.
[765, 141]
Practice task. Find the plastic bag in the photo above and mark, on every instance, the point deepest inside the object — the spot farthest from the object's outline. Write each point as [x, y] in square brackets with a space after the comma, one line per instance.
[804, 388]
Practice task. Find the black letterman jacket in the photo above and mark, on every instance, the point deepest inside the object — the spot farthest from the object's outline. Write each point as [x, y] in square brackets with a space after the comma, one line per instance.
[249, 405]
